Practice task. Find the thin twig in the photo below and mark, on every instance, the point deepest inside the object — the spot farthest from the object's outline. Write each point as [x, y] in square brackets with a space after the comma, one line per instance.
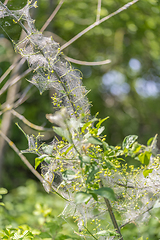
[23, 158]
[98, 10]
[112, 216]
[21, 117]
[27, 163]
[88, 63]
[97, 23]
[6, 1]
[13, 80]
[52, 16]
[23, 97]
[7, 72]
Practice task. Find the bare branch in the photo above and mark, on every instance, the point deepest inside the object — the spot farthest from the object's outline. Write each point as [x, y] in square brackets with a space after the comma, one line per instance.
[22, 118]
[7, 72]
[97, 23]
[88, 63]
[98, 10]
[6, 1]
[12, 81]
[52, 16]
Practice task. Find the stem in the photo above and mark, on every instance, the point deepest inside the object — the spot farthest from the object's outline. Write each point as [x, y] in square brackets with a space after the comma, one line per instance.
[96, 23]
[112, 216]
[52, 16]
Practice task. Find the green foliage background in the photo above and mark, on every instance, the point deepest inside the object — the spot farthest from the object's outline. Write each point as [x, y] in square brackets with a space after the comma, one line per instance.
[132, 34]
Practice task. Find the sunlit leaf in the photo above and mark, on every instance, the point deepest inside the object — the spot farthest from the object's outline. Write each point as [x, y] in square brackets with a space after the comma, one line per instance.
[101, 121]
[48, 149]
[106, 192]
[2, 204]
[3, 191]
[105, 146]
[85, 159]
[157, 204]
[62, 133]
[145, 158]
[128, 141]
[82, 197]
[88, 124]
[92, 174]
[100, 130]
[42, 158]
[94, 140]
[68, 175]
[146, 172]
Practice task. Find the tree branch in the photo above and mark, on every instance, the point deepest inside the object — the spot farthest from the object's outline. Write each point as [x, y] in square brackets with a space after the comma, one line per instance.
[52, 16]
[98, 10]
[87, 63]
[96, 23]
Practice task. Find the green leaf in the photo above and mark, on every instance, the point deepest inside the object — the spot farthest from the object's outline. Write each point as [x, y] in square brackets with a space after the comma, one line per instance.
[68, 175]
[100, 122]
[88, 123]
[146, 172]
[107, 233]
[157, 204]
[2, 204]
[108, 164]
[92, 174]
[85, 159]
[82, 197]
[94, 196]
[94, 140]
[42, 158]
[105, 146]
[145, 158]
[3, 191]
[100, 130]
[128, 141]
[48, 149]
[149, 141]
[62, 133]
[68, 149]
[106, 192]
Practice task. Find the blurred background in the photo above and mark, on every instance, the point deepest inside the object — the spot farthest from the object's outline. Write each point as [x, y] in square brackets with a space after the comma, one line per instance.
[127, 89]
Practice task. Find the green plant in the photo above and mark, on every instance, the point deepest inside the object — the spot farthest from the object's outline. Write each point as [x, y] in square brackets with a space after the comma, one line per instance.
[93, 177]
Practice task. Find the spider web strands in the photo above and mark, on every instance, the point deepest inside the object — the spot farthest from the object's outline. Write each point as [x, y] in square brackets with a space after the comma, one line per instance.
[133, 219]
[52, 70]
[27, 163]
[15, 18]
[96, 23]
[42, 29]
